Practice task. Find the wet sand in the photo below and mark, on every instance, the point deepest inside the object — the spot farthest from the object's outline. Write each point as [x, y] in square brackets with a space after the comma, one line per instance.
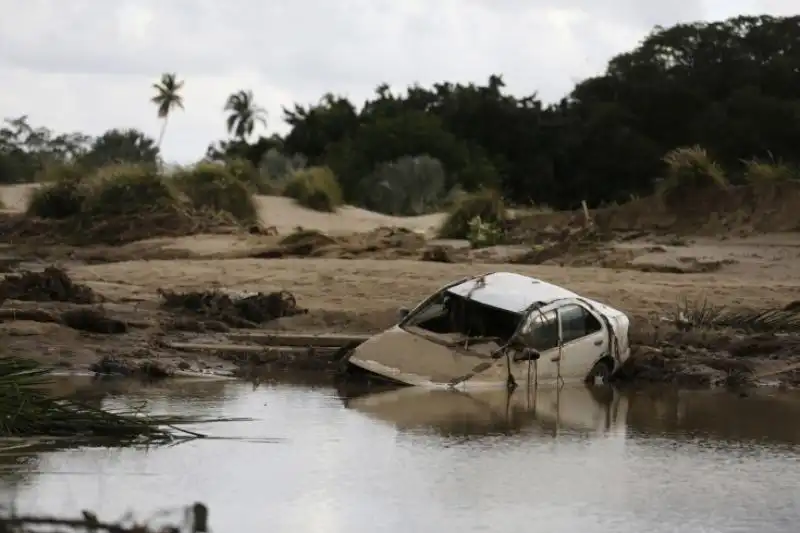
[362, 294]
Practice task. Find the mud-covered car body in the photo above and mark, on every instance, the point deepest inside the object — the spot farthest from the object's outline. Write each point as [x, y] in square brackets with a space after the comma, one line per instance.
[497, 329]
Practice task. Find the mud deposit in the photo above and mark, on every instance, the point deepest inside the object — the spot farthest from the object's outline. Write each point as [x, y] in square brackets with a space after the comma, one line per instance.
[318, 457]
[50, 317]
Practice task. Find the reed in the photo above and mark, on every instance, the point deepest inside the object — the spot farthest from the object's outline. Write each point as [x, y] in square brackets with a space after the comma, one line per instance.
[27, 410]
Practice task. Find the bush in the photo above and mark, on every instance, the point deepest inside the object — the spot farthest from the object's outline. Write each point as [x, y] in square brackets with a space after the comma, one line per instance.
[690, 170]
[487, 205]
[482, 234]
[127, 189]
[55, 172]
[213, 186]
[406, 187]
[59, 199]
[759, 171]
[277, 166]
[247, 173]
[316, 188]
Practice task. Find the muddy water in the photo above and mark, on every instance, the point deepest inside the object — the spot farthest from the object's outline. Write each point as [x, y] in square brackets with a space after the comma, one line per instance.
[569, 460]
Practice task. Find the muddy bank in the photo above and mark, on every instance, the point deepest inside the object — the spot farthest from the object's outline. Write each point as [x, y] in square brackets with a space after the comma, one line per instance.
[569, 246]
[49, 317]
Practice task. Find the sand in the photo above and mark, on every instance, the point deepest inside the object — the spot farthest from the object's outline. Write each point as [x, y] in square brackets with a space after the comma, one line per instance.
[363, 294]
[365, 285]
[757, 271]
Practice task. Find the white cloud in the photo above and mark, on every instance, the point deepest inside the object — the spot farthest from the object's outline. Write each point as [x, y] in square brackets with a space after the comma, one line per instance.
[89, 64]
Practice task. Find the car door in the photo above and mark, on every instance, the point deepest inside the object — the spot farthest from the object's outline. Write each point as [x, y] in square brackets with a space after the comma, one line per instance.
[584, 340]
[539, 332]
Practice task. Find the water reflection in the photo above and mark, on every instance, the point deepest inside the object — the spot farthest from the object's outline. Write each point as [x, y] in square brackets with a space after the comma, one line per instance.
[569, 459]
[571, 408]
[766, 416]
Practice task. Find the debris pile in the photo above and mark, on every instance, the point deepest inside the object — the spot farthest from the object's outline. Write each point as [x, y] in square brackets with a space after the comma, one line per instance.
[715, 346]
[383, 242]
[240, 312]
[51, 285]
[114, 366]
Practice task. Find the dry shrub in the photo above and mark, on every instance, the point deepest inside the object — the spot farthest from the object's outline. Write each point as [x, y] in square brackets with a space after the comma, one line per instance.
[690, 170]
[763, 172]
[127, 189]
[487, 204]
[316, 188]
[124, 203]
[62, 193]
[59, 199]
[211, 186]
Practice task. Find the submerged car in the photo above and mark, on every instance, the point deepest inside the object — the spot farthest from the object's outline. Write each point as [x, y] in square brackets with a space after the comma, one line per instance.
[499, 329]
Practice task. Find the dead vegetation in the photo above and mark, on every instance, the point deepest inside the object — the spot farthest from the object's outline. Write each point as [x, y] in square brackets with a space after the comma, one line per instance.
[109, 365]
[701, 344]
[250, 311]
[51, 285]
[383, 242]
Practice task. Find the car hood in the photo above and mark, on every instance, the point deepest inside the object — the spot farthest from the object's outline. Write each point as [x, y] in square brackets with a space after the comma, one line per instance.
[426, 360]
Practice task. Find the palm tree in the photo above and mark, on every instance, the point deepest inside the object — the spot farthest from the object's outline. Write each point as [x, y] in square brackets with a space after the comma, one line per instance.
[167, 99]
[243, 114]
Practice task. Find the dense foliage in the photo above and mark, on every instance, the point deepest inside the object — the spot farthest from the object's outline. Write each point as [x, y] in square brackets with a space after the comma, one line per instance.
[730, 87]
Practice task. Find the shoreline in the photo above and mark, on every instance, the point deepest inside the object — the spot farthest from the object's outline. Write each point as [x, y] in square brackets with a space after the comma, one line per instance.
[361, 297]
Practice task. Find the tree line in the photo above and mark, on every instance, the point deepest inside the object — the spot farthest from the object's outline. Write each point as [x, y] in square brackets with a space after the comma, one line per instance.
[732, 87]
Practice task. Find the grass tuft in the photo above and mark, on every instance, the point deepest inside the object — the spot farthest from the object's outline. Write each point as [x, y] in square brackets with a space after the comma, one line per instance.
[212, 186]
[701, 314]
[316, 188]
[690, 169]
[485, 205]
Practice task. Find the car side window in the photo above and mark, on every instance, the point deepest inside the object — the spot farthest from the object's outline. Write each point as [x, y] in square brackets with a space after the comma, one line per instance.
[577, 322]
[542, 331]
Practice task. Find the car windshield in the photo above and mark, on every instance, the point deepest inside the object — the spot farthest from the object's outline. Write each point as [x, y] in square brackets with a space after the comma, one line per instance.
[449, 313]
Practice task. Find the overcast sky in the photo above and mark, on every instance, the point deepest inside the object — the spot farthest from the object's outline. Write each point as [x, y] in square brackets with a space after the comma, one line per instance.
[88, 65]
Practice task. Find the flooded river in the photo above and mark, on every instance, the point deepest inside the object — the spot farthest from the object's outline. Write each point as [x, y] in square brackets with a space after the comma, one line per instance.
[572, 460]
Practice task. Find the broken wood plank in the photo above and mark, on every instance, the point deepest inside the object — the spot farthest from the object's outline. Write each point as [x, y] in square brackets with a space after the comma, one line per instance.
[777, 372]
[245, 348]
[320, 340]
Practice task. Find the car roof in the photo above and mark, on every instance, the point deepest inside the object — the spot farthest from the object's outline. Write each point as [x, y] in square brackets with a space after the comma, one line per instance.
[509, 291]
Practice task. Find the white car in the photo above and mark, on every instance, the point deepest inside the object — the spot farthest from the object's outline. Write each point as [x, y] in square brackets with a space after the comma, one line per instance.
[499, 329]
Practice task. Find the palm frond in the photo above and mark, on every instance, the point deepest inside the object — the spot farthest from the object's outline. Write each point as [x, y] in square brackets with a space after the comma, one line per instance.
[28, 410]
[702, 314]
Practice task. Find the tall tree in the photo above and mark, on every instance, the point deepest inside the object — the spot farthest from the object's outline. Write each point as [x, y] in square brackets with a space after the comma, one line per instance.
[243, 114]
[117, 146]
[167, 98]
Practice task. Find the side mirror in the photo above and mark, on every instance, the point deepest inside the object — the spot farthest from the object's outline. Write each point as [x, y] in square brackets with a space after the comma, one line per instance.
[402, 313]
[527, 354]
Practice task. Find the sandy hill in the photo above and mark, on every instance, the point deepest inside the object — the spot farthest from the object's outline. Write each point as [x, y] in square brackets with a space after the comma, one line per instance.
[15, 197]
[285, 214]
